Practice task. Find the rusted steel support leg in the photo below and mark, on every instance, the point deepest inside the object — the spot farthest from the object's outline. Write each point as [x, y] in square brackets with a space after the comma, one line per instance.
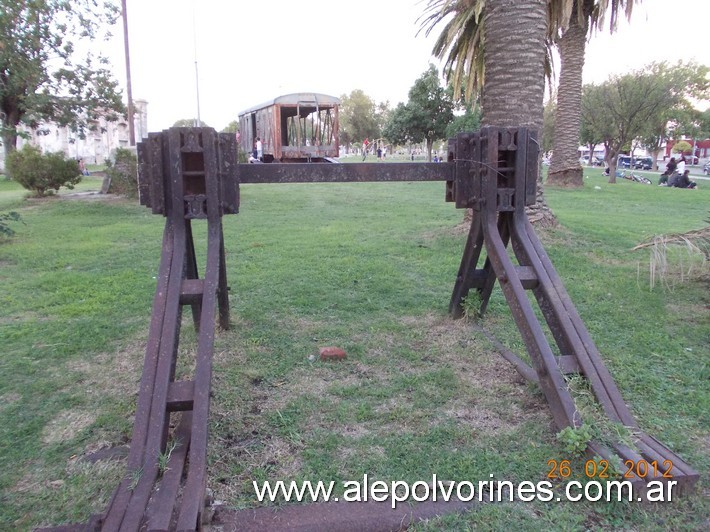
[195, 485]
[490, 276]
[129, 517]
[483, 280]
[223, 289]
[159, 417]
[553, 386]
[162, 504]
[560, 323]
[117, 507]
[467, 270]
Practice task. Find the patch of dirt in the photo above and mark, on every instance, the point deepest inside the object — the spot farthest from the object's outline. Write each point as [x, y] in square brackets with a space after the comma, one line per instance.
[115, 374]
[490, 399]
[279, 453]
[26, 315]
[67, 425]
[91, 195]
[698, 312]
[355, 431]
[30, 483]
[104, 451]
[315, 381]
[41, 199]
[494, 393]
[457, 230]
[555, 236]
[8, 399]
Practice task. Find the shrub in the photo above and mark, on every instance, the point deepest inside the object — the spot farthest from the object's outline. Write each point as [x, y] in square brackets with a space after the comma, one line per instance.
[5, 218]
[123, 173]
[42, 173]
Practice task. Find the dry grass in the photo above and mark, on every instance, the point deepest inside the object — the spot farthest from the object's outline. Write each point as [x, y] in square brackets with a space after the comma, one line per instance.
[678, 257]
[67, 425]
[489, 399]
[114, 374]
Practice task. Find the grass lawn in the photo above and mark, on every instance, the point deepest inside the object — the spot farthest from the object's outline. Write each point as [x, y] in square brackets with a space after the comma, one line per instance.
[369, 268]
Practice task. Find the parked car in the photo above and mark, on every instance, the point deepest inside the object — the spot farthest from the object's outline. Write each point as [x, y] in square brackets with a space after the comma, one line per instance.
[623, 161]
[643, 163]
[596, 161]
[688, 159]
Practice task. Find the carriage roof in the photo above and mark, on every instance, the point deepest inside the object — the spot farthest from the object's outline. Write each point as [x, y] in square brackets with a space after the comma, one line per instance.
[296, 98]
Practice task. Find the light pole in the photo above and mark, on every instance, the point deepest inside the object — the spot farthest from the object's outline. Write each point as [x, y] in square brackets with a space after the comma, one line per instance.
[129, 90]
[197, 79]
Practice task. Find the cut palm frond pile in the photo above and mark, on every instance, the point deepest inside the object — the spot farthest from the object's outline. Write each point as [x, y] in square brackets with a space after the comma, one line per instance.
[678, 257]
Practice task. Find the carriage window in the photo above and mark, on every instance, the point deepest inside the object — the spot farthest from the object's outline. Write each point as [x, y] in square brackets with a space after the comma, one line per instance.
[307, 125]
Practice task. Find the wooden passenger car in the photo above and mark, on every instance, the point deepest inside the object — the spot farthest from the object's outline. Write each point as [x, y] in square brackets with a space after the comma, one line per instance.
[300, 127]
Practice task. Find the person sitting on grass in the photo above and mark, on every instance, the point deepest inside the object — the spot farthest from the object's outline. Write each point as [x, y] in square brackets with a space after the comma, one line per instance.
[683, 181]
[670, 169]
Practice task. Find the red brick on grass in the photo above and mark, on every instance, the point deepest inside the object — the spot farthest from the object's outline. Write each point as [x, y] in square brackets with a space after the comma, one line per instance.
[332, 353]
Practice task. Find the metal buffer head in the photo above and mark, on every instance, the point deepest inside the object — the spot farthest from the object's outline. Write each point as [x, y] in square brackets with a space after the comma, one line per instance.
[187, 153]
[509, 154]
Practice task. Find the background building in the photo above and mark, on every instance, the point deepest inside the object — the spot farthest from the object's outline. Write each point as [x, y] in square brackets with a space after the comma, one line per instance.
[98, 144]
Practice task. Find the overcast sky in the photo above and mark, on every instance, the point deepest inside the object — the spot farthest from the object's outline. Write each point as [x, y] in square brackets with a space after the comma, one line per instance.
[250, 52]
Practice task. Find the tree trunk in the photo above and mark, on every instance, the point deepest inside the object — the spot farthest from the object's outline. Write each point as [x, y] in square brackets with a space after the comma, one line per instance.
[565, 169]
[9, 143]
[514, 86]
[612, 156]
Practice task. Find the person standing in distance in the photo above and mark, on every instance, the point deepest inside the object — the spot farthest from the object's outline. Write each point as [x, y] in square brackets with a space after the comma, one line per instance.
[259, 149]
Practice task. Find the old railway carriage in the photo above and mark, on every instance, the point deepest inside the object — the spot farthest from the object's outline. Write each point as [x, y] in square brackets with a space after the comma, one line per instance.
[301, 127]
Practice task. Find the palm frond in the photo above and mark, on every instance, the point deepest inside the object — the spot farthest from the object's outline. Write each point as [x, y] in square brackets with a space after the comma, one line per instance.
[696, 243]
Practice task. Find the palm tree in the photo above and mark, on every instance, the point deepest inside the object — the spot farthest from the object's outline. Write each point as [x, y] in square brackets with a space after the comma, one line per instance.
[569, 23]
[514, 68]
[462, 44]
[462, 36]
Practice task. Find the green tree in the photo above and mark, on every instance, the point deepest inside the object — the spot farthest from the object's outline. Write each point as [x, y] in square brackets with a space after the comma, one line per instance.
[589, 136]
[358, 118]
[681, 119]
[681, 146]
[569, 24]
[41, 75]
[470, 120]
[704, 121]
[688, 122]
[626, 108]
[425, 116]
[189, 122]
[654, 138]
[232, 127]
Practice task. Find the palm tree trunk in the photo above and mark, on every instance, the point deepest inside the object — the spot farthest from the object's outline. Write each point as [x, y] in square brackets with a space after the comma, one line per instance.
[514, 57]
[514, 86]
[565, 169]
